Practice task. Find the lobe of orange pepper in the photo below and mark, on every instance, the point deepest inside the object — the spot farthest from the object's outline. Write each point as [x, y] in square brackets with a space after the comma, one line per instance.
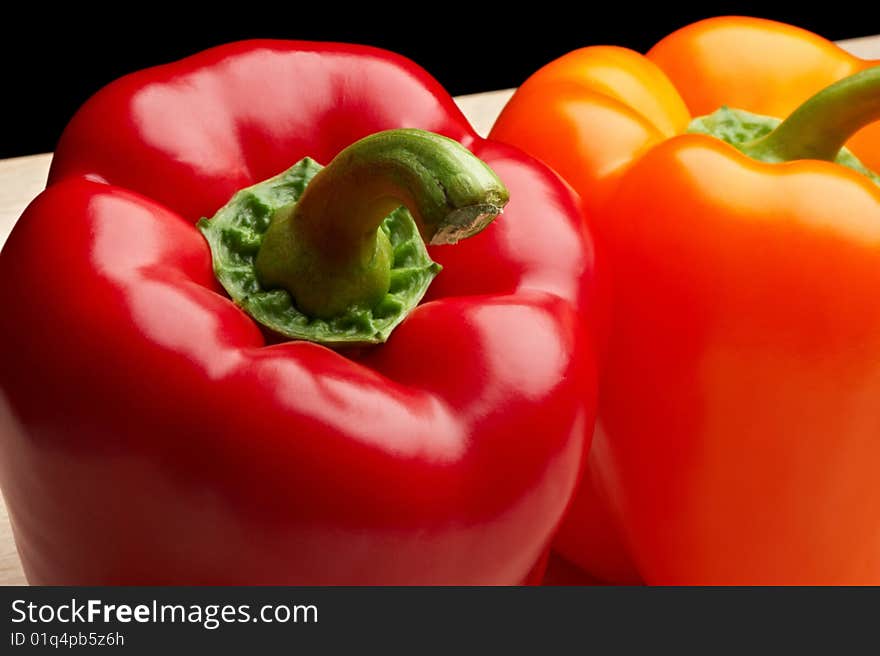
[592, 112]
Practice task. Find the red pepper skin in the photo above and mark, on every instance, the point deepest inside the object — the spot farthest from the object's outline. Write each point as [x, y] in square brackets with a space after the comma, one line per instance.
[151, 435]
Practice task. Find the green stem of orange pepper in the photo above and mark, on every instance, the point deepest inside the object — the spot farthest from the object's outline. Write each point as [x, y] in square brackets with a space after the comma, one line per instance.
[820, 127]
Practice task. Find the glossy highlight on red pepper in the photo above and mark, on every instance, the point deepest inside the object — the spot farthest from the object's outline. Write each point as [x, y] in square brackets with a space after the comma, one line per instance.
[153, 434]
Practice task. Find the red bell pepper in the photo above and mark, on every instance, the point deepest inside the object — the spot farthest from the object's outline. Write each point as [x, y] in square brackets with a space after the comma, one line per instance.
[156, 434]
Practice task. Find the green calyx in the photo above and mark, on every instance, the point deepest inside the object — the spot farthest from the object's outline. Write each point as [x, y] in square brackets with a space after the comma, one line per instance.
[334, 255]
[237, 231]
[818, 129]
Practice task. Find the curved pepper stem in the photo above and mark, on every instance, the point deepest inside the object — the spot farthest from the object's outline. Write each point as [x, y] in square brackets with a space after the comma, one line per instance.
[327, 249]
[820, 127]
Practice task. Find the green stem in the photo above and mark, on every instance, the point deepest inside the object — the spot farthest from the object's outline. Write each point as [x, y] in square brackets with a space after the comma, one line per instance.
[327, 249]
[820, 127]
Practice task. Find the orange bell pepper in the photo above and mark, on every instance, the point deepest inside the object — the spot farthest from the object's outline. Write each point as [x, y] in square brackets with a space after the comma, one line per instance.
[739, 427]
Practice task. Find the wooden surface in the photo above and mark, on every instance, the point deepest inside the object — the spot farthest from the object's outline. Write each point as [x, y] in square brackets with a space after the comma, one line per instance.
[22, 178]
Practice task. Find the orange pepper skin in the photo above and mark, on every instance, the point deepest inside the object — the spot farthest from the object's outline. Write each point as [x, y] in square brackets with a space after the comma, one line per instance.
[739, 416]
[590, 114]
[743, 375]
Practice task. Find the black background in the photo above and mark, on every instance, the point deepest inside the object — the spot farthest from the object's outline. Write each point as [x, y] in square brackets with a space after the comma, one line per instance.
[52, 60]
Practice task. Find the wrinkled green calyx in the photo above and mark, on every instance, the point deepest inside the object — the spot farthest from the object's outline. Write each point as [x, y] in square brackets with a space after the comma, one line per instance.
[739, 128]
[335, 254]
[236, 233]
[818, 129]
